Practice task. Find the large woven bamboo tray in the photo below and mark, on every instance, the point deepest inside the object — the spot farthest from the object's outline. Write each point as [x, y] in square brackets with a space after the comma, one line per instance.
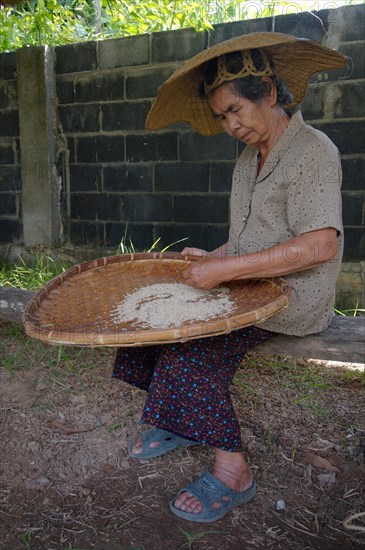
[76, 307]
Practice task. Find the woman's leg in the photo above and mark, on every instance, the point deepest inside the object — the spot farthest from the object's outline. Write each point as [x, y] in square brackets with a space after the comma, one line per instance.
[213, 369]
[188, 395]
[189, 392]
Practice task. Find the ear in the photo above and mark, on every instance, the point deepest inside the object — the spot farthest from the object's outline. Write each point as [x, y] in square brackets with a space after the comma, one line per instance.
[272, 95]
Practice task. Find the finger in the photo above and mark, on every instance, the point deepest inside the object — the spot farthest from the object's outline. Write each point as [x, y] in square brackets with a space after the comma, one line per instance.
[187, 277]
[194, 251]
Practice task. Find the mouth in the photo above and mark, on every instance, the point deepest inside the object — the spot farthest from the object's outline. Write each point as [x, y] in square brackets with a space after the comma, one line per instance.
[245, 136]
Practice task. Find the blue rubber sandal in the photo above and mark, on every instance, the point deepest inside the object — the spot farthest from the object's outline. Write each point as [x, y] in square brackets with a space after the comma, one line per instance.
[168, 442]
[208, 489]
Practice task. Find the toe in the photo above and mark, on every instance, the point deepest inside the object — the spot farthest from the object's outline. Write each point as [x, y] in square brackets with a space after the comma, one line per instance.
[188, 503]
[137, 448]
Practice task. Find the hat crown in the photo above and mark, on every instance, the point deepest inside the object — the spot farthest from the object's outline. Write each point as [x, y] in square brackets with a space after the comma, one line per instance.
[248, 69]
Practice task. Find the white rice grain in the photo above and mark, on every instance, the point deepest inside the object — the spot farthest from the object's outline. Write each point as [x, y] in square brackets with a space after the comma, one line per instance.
[166, 305]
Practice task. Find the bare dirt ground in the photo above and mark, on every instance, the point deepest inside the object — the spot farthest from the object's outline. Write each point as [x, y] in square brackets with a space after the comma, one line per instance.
[66, 481]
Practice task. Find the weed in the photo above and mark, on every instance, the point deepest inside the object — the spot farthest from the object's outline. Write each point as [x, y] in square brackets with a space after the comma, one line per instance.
[120, 424]
[310, 403]
[293, 454]
[15, 348]
[30, 277]
[126, 245]
[249, 393]
[196, 536]
[62, 367]
[44, 268]
[25, 539]
[269, 442]
[348, 310]
[353, 375]
[302, 384]
[116, 426]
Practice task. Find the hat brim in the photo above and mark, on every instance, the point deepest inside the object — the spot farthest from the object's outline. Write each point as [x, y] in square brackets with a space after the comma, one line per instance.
[295, 61]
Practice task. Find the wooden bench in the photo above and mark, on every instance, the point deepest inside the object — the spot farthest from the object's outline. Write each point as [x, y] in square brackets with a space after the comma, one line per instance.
[344, 339]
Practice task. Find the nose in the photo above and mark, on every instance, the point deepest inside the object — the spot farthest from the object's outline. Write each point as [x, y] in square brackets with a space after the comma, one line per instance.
[233, 123]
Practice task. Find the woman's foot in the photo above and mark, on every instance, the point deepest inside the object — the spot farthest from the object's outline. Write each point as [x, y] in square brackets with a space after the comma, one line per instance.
[156, 442]
[231, 469]
[138, 446]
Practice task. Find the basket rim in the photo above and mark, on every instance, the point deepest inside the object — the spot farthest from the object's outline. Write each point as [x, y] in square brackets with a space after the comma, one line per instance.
[116, 338]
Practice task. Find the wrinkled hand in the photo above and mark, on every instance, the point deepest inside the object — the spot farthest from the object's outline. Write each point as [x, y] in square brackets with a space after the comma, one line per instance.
[204, 274]
[191, 251]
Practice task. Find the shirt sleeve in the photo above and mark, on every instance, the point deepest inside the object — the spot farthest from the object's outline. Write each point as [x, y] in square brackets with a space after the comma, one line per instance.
[314, 194]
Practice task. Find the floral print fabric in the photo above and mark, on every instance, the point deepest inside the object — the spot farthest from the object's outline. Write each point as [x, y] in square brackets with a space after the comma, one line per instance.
[188, 384]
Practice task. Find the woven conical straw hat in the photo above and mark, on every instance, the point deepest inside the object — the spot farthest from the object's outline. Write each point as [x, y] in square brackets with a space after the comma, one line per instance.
[295, 61]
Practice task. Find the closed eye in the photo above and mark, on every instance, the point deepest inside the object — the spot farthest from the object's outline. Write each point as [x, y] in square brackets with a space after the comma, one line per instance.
[236, 109]
[229, 110]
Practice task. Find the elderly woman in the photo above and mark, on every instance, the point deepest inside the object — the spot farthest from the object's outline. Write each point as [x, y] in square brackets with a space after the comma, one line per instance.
[285, 220]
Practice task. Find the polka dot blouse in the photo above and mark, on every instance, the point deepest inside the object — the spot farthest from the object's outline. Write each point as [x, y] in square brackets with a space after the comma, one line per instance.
[297, 191]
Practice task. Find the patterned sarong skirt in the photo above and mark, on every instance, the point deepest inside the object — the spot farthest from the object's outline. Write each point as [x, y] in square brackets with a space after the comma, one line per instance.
[188, 384]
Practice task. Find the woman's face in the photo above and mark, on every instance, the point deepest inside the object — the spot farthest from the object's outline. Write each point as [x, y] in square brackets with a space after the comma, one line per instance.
[249, 121]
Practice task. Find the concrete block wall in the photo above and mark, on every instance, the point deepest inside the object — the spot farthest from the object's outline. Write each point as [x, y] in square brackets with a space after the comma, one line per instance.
[174, 183]
[159, 184]
[10, 174]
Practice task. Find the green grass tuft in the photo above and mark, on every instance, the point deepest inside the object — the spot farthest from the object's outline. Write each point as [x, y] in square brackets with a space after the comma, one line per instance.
[36, 274]
[30, 277]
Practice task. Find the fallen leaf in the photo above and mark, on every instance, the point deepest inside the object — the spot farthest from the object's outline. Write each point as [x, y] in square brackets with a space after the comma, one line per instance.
[321, 462]
[327, 478]
[66, 429]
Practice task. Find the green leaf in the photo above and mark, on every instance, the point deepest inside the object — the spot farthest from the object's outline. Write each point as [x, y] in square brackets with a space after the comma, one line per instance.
[57, 22]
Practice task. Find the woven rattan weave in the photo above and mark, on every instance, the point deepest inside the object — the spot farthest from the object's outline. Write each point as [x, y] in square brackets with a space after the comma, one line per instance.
[75, 308]
[295, 61]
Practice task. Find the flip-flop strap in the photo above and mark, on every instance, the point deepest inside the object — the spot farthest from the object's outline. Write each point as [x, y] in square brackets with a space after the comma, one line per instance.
[155, 434]
[208, 489]
[165, 437]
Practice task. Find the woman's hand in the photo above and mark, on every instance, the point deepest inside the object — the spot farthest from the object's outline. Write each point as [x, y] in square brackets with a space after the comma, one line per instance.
[191, 251]
[205, 274]
[294, 255]
[219, 252]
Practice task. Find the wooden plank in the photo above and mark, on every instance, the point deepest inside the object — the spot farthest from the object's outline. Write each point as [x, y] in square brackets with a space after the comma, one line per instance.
[13, 302]
[344, 340]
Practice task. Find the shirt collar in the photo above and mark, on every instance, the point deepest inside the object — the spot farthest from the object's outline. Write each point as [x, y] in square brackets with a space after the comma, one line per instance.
[282, 145]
